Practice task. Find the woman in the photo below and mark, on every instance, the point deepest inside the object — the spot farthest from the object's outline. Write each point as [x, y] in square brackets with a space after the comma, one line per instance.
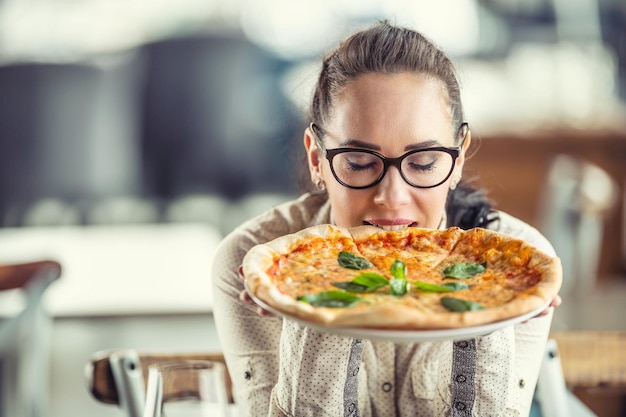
[390, 91]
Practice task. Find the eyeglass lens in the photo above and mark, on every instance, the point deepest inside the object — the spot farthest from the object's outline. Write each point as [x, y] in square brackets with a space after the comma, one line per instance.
[422, 169]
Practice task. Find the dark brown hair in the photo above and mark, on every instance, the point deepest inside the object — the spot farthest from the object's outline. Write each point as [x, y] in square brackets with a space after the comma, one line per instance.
[388, 49]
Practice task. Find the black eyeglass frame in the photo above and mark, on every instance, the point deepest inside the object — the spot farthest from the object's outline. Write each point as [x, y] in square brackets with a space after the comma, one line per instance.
[329, 154]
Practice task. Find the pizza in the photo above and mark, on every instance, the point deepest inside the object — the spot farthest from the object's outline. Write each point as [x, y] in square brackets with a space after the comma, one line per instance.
[410, 279]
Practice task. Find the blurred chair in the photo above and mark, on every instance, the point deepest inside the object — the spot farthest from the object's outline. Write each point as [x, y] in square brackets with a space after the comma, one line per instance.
[553, 395]
[575, 199]
[594, 366]
[67, 131]
[578, 362]
[24, 340]
[215, 119]
[119, 377]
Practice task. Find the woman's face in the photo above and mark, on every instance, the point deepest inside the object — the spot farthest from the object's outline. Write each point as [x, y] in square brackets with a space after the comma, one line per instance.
[391, 114]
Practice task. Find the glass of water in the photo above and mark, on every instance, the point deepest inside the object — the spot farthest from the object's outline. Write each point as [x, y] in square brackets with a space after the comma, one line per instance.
[186, 388]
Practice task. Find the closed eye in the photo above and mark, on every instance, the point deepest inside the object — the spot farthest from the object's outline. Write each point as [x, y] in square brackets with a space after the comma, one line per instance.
[354, 161]
[423, 161]
[422, 168]
[361, 167]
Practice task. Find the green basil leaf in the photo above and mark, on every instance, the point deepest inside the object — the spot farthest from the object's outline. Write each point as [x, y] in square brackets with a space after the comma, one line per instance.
[351, 286]
[447, 287]
[460, 305]
[399, 286]
[398, 269]
[456, 286]
[371, 280]
[365, 282]
[352, 261]
[463, 270]
[332, 299]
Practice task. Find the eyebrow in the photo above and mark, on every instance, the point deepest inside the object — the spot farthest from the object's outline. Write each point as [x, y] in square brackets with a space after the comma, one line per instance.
[423, 145]
[365, 145]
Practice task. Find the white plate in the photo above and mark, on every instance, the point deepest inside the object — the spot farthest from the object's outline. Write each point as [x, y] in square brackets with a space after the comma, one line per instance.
[407, 336]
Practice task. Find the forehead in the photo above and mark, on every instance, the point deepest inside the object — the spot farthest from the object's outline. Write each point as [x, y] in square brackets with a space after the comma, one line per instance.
[407, 107]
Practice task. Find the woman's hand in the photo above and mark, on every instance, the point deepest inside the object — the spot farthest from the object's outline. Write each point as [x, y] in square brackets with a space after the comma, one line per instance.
[556, 301]
[245, 297]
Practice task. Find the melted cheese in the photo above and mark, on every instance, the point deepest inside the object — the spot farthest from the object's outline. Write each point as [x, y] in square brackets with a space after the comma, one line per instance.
[311, 266]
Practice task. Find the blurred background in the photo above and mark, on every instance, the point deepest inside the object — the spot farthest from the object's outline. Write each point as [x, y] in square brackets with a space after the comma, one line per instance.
[135, 134]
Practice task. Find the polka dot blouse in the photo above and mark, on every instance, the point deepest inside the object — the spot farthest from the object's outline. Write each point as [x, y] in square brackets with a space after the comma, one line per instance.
[281, 368]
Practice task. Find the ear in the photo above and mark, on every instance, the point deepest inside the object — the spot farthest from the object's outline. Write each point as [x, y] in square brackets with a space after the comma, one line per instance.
[314, 157]
[460, 162]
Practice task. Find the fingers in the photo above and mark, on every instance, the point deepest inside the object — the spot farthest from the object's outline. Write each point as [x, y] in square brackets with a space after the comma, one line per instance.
[545, 312]
[263, 313]
[245, 297]
[556, 301]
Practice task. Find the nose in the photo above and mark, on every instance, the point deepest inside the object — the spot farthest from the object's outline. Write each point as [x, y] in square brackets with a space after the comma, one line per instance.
[392, 191]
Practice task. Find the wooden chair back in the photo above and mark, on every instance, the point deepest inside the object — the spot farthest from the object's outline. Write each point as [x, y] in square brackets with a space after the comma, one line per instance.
[107, 386]
[21, 275]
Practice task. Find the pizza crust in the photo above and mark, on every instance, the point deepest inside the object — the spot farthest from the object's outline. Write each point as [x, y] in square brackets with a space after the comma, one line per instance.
[406, 315]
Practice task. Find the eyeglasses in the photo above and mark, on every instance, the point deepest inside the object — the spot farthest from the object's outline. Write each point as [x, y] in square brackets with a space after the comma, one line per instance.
[364, 168]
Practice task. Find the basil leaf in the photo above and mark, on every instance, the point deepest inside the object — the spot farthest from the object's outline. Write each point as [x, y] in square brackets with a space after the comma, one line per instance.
[352, 261]
[332, 299]
[456, 286]
[351, 286]
[447, 287]
[398, 269]
[399, 286]
[365, 282]
[371, 280]
[460, 305]
[463, 270]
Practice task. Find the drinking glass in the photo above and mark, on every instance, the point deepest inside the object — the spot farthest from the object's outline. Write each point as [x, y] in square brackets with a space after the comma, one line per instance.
[186, 388]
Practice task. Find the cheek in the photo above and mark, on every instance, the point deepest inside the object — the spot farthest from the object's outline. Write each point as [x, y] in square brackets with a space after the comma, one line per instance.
[348, 205]
[430, 205]
[439, 195]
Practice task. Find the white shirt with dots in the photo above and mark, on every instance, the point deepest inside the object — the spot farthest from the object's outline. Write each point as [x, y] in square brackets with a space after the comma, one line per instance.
[281, 368]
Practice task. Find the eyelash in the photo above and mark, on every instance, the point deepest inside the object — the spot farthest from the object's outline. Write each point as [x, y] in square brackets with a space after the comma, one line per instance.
[424, 168]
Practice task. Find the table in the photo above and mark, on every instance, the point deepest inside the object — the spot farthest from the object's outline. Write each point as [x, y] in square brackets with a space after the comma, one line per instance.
[118, 270]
